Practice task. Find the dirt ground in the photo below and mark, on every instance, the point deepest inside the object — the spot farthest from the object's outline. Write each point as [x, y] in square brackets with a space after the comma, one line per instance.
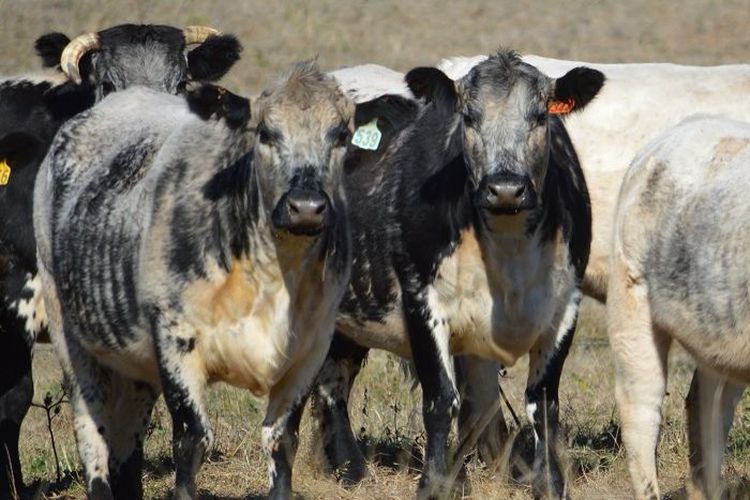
[402, 35]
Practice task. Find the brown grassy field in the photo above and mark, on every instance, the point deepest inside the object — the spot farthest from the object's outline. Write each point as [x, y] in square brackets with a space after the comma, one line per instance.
[402, 35]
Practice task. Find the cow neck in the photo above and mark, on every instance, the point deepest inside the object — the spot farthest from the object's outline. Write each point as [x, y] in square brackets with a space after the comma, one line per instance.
[254, 241]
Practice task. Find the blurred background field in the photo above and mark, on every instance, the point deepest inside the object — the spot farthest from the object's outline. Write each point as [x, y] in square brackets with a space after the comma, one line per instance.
[384, 410]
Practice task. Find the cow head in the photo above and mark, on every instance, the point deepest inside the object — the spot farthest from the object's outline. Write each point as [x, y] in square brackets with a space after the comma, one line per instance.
[304, 123]
[499, 116]
[148, 55]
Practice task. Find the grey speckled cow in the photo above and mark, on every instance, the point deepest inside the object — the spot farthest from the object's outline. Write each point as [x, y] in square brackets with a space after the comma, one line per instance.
[679, 272]
[176, 252]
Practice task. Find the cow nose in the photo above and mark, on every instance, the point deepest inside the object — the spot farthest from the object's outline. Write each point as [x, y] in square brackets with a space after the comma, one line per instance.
[307, 210]
[508, 194]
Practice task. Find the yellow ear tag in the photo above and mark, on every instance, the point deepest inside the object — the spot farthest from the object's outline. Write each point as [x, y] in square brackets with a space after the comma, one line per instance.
[367, 136]
[4, 172]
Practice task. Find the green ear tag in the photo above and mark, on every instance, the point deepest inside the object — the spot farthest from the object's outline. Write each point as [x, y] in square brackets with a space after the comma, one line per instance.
[367, 136]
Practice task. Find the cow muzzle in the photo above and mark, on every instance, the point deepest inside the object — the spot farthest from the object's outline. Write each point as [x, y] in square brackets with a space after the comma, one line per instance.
[302, 212]
[507, 194]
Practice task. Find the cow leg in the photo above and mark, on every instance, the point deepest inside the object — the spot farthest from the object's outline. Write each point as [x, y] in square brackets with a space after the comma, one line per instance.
[85, 382]
[710, 406]
[18, 391]
[546, 360]
[14, 405]
[429, 338]
[130, 414]
[640, 358]
[481, 418]
[183, 381]
[330, 408]
[281, 426]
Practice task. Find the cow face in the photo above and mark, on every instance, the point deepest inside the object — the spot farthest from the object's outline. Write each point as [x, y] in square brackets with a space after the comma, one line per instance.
[304, 125]
[500, 115]
[148, 55]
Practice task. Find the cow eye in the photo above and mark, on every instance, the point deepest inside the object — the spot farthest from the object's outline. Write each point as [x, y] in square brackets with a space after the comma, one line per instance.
[265, 136]
[342, 136]
[181, 87]
[541, 118]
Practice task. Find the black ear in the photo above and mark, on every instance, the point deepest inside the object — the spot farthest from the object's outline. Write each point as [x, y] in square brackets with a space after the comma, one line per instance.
[208, 100]
[66, 100]
[213, 58]
[575, 89]
[49, 47]
[393, 112]
[434, 86]
[19, 147]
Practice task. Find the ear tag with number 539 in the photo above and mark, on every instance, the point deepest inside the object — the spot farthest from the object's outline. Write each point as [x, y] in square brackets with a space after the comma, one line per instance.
[4, 172]
[367, 136]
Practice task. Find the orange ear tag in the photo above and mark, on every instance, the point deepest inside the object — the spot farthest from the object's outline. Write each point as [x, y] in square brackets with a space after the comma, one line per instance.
[4, 172]
[561, 107]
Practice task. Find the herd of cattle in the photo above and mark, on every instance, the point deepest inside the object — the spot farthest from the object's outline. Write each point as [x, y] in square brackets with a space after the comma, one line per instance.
[183, 235]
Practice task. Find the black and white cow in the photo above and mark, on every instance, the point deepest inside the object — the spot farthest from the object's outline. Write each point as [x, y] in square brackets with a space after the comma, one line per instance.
[479, 246]
[176, 252]
[32, 109]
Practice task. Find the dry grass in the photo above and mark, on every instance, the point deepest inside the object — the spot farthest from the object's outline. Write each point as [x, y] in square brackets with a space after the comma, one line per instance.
[402, 35]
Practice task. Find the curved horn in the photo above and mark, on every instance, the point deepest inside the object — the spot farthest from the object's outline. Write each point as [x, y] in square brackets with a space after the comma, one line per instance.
[73, 53]
[198, 34]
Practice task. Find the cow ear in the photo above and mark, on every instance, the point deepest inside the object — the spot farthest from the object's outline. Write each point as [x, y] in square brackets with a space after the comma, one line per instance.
[434, 86]
[49, 48]
[19, 147]
[392, 111]
[575, 89]
[208, 100]
[213, 58]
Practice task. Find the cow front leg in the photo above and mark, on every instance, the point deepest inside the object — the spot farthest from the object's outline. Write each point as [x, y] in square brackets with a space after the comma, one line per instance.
[330, 408]
[429, 338]
[183, 382]
[480, 421]
[14, 405]
[286, 402]
[546, 360]
[17, 393]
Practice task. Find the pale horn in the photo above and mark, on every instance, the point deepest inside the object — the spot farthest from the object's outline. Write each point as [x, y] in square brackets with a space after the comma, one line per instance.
[73, 53]
[195, 35]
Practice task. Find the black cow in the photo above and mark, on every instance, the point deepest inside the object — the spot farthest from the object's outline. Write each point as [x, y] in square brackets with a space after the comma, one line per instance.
[471, 234]
[33, 108]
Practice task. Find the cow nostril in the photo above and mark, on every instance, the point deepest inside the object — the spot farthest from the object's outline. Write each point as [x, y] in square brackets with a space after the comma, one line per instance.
[321, 206]
[494, 189]
[294, 206]
[519, 192]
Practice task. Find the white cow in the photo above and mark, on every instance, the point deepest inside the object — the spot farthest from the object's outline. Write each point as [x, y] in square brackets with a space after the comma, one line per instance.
[679, 272]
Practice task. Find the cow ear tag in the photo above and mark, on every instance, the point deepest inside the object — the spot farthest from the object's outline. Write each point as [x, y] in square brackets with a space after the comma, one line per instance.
[561, 107]
[4, 173]
[367, 136]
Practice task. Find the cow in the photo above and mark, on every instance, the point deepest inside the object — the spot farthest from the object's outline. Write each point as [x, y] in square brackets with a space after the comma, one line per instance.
[638, 102]
[33, 107]
[679, 273]
[176, 252]
[479, 245]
